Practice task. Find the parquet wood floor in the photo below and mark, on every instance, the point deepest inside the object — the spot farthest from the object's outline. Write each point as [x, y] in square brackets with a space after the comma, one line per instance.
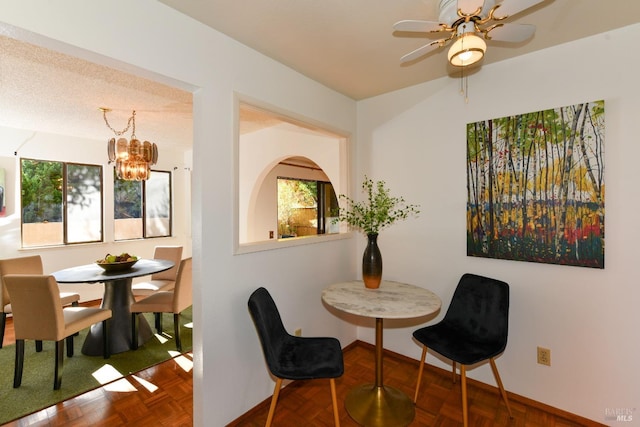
[302, 403]
[308, 403]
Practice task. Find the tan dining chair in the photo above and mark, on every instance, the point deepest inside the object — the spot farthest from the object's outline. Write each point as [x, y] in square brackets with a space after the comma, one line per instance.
[38, 314]
[175, 301]
[24, 265]
[165, 280]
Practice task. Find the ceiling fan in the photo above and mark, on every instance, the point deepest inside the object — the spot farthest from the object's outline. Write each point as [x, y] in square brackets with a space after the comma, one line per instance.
[468, 23]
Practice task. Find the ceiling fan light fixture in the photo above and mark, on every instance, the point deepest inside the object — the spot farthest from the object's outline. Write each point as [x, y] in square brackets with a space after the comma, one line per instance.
[467, 50]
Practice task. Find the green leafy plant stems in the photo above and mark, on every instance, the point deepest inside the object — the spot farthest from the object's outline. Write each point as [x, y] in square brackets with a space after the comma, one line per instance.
[379, 211]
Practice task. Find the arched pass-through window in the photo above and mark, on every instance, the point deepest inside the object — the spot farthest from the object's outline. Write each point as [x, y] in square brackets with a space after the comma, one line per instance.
[272, 149]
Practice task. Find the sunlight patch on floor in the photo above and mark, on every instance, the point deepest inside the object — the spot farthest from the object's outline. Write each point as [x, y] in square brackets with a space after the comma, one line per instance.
[120, 386]
[146, 384]
[184, 362]
[162, 338]
[108, 375]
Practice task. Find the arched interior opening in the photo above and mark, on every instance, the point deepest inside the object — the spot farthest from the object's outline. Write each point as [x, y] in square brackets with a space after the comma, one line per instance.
[273, 149]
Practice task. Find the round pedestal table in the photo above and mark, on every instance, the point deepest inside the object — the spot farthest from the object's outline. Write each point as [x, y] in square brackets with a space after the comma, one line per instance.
[377, 404]
[118, 298]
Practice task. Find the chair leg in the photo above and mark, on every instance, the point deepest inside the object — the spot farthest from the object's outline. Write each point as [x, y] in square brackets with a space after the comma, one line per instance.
[3, 321]
[453, 372]
[106, 342]
[134, 331]
[176, 330]
[57, 374]
[422, 359]
[463, 380]
[158, 318]
[69, 340]
[19, 364]
[274, 401]
[500, 386]
[75, 304]
[334, 400]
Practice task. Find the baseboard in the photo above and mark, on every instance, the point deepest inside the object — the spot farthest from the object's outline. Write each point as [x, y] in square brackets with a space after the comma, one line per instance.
[512, 396]
[240, 421]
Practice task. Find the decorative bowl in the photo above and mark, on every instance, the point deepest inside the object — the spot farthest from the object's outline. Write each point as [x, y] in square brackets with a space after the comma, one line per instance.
[117, 266]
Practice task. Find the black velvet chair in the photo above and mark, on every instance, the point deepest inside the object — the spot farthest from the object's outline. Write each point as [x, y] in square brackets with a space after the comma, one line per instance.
[290, 357]
[473, 330]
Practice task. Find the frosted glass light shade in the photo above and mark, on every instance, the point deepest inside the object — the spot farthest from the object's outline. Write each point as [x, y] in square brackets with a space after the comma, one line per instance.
[467, 50]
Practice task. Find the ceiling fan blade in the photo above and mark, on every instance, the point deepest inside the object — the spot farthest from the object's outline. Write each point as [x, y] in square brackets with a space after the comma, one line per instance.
[422, 51]
[511, 32]
[511, 7]
[469, 6]
[417, 26]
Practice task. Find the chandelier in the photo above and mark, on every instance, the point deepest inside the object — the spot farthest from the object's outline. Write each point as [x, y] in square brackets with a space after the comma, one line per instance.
[133, 158]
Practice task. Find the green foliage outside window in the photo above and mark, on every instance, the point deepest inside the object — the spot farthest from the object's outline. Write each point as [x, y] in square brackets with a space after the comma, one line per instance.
[41, 191]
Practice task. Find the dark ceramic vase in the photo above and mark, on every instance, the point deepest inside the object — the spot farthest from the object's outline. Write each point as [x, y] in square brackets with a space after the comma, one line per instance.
[372, 263]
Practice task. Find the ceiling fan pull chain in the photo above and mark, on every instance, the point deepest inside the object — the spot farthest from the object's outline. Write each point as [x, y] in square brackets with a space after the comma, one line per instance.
[466, 89]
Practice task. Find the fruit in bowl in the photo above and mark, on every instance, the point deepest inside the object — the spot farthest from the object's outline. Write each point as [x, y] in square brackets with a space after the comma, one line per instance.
[120, 262]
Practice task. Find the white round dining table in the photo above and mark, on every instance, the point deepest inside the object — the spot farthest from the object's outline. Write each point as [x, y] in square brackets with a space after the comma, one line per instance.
[377, 404]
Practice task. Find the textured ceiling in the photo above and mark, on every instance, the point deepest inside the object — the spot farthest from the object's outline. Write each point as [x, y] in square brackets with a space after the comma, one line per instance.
[347, 45]
[51, 92]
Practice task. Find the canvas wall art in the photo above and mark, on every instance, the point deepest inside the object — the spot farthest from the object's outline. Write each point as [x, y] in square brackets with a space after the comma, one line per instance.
[535, 186]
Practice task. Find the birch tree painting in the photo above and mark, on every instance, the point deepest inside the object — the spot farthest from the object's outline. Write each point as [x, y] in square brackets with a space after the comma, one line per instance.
[535, 186]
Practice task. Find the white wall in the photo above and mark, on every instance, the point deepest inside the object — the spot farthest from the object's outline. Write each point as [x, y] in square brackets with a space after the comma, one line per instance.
[259, 153]
[588, 317]
[230, 376]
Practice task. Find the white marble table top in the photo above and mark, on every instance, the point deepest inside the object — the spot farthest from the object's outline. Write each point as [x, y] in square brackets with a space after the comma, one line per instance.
[392, 300]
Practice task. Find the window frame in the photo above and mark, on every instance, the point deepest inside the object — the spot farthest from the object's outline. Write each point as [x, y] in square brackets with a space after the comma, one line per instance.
[64, 204]
[143, 208]
[321, 217]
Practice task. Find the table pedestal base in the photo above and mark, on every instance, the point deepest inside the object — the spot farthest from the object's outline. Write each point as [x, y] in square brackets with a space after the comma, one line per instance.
[118, 298]
[380, 406]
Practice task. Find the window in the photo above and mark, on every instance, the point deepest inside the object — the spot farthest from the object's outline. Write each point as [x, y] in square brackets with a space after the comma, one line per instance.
[305, 207]
[142, 209]
[61, 203]
[277, 144]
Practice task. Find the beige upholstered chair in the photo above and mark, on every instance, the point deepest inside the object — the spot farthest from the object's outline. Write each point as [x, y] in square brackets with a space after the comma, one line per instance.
[165, 280]
[38, 315]
[166, 302]
[24, 265]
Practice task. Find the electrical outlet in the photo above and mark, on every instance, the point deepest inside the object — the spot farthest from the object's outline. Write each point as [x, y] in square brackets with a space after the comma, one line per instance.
[298, 332]
[544, 356]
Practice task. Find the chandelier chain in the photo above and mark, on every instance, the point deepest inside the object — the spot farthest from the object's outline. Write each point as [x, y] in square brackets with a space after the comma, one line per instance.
[131, 123]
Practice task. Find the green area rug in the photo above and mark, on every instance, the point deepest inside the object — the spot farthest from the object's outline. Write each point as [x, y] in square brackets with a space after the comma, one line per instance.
[36, 391]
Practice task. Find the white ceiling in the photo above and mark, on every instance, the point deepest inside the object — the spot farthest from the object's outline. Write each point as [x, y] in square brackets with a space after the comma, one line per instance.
[347, 45]
[350, 45]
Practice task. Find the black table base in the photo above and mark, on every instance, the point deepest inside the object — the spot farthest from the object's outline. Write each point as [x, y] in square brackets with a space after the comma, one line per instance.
[118, 298]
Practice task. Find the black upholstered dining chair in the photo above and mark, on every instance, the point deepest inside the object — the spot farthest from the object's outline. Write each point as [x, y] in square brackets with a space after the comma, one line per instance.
[290, 357]
[474, 329]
